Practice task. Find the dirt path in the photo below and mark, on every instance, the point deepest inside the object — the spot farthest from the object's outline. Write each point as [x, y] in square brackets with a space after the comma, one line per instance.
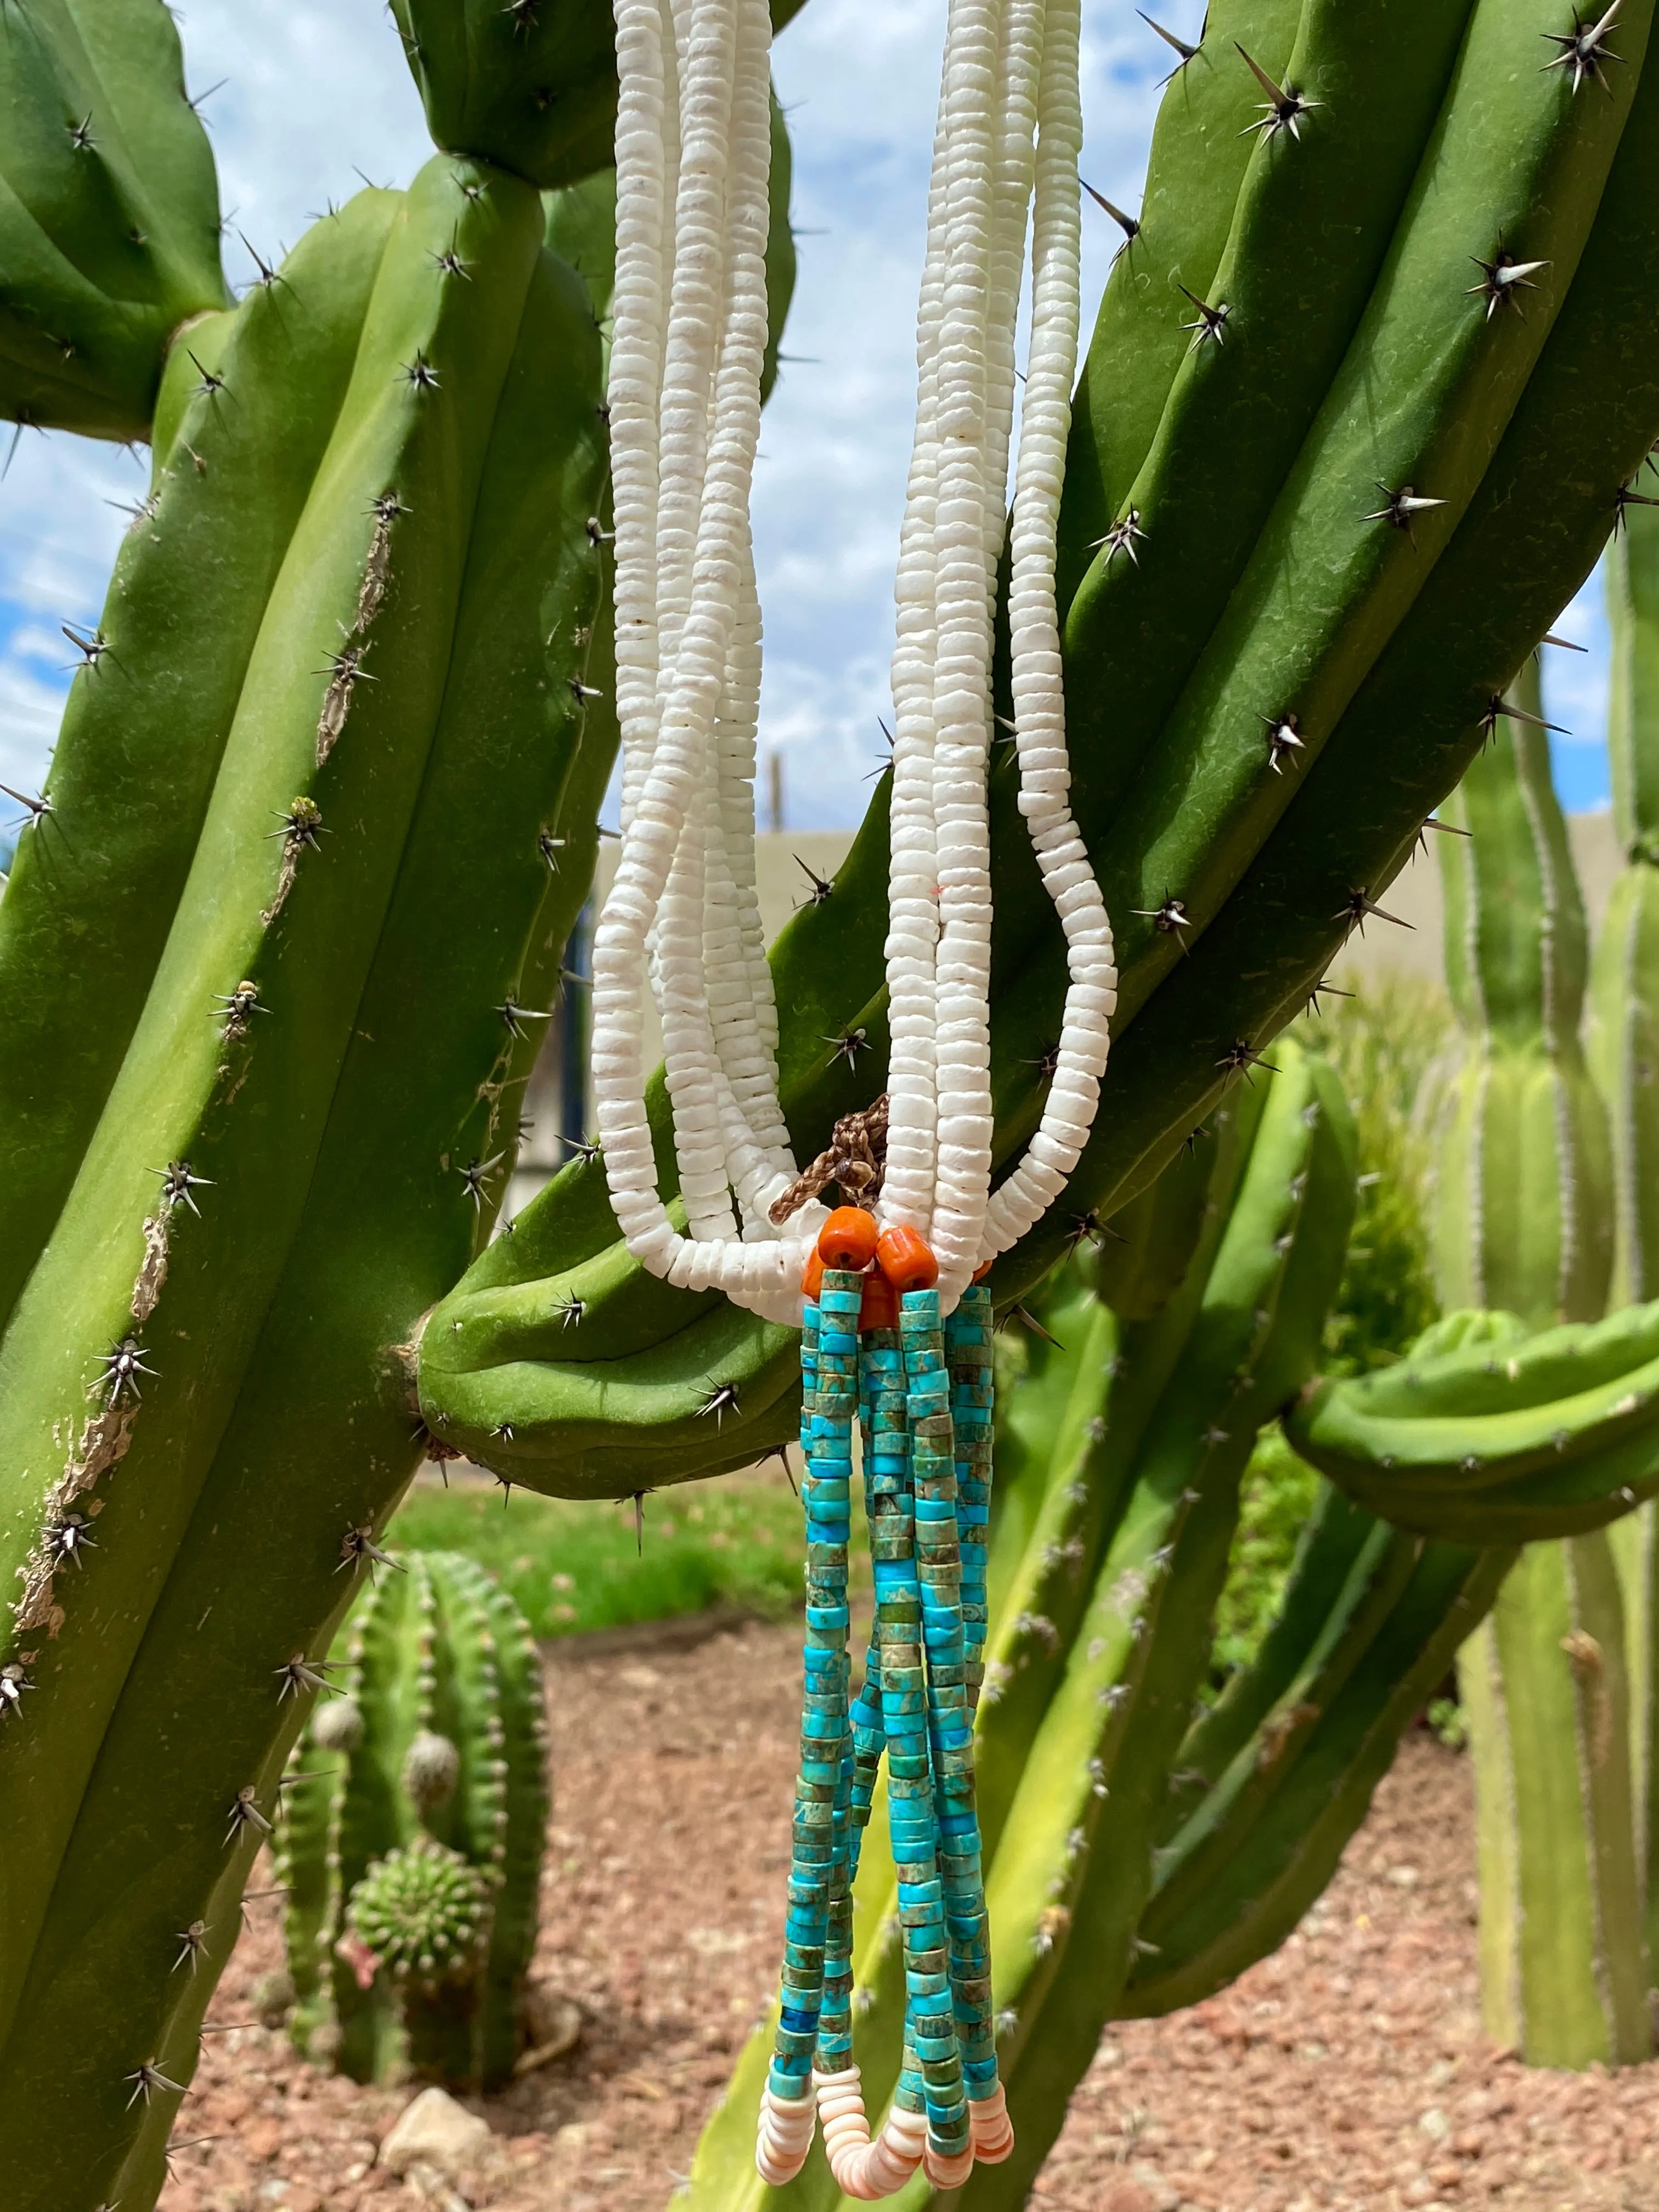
[1348, 2072]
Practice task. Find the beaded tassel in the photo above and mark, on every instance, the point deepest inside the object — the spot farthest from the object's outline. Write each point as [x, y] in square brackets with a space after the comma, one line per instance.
[922, 1394]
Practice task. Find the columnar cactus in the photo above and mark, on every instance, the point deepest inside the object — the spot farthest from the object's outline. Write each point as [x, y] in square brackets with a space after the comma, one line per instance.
[412, 1829]
[1625, 1054]
[1522, 1222]
[1250, 768]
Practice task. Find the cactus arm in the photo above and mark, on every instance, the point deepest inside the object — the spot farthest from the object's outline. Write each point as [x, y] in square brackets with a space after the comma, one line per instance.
[109, 214]
[95, 885]
[1193, 1872]
[1558, 1436]
[1208, 486]
[368, 1816]
[1520, 1105]
[1338, 1561]
[1425, 390]
[1201, 147]
[198, 351]
[1539, 1937]
[1290, 1853]
[1037, 1382]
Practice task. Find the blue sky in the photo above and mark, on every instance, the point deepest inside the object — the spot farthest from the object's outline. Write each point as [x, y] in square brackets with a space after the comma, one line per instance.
[316, 94]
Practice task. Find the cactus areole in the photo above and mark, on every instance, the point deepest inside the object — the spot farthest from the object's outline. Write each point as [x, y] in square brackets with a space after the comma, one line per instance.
[689, 344]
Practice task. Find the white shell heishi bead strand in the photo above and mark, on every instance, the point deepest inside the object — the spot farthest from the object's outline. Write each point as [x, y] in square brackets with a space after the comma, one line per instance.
[992, 2131]
[784, 2137]
[1039, 698]
[694, 152]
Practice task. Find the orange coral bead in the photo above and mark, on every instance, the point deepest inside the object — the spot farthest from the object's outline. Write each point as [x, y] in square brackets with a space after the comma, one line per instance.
[879, 1307]
[811, 1279]
[983, 1270]
[848, 1239]
[907, 1260]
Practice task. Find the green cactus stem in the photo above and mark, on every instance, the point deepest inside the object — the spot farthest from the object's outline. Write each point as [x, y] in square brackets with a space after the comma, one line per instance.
[1391, 678]
[412, 1829]
[109, 214]
[1521, 1111]
[1623, 1053]
[1522, 1222]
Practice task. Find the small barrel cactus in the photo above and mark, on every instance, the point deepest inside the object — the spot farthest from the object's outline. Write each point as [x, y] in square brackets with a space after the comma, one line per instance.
[412, 1831]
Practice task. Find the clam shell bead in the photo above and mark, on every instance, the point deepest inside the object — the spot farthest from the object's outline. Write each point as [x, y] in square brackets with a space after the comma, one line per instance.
[785, 2136]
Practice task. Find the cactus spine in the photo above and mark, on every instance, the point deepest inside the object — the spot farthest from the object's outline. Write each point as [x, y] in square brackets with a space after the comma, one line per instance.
[1522, 1222]
[412, 1832]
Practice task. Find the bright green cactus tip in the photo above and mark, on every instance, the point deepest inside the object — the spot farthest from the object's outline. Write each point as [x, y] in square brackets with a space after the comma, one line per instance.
[411, 1832]
[420, 1913]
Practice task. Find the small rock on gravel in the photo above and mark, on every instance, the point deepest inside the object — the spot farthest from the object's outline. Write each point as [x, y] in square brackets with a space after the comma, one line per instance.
[435, 2131]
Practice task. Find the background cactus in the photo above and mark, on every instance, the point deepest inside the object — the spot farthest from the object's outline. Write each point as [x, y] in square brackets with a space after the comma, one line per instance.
[412, 1830]
[1625, 1054]
[1270, 759]
[1523, 1222]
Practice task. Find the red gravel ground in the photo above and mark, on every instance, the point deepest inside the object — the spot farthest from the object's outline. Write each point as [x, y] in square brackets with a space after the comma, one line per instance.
[1348, 2072]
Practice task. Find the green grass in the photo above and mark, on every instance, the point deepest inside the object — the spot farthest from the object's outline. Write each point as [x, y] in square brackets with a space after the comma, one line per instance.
[736, 1541]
